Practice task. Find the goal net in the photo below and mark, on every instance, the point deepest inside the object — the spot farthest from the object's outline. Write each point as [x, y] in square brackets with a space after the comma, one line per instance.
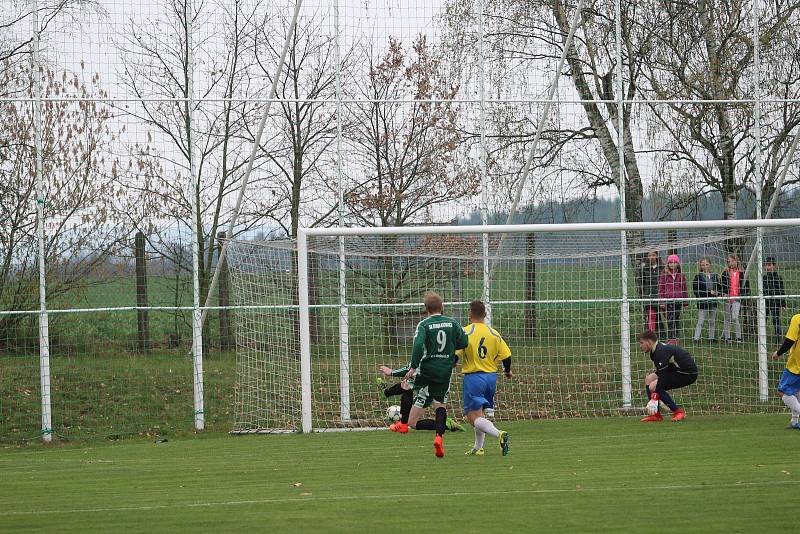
[312, 333]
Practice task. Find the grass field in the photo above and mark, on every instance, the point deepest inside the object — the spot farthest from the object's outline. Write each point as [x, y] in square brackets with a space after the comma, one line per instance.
[708, 474]
[113, 395]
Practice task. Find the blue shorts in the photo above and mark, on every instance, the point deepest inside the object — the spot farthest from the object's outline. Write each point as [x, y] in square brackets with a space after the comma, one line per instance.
[789, 384]
[479, 389]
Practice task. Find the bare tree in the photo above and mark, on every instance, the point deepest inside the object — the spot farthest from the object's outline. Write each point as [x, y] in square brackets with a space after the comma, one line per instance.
[81, 203]
[306, 126]
[704, 51]
[408, 142]
[15, 28]
[408, 139]
[217, 132]
[779, 75]
[526, 36]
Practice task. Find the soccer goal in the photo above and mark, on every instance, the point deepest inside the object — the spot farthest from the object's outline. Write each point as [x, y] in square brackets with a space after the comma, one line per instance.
[317, 316]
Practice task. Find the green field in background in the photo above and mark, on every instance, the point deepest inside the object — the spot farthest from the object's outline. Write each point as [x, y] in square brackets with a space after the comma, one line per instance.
[102, 388]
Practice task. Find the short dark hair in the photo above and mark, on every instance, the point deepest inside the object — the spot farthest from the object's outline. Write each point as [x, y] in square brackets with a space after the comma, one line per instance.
[433, 302]
[771, 259]
[477, 309]
[648, 334]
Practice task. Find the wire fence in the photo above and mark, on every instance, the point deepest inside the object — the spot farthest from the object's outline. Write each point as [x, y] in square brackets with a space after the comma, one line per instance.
[128, 129]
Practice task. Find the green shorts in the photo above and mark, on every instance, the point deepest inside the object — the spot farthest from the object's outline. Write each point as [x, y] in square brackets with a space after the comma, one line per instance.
[426, 391]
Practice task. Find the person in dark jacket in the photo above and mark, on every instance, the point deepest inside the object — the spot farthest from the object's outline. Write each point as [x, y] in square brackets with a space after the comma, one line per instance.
[705, 285]
[733, 285]
[675, 368]
[649, 272]
[773, 287]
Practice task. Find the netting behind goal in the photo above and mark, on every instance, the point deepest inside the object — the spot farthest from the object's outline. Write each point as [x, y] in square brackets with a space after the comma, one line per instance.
[557, 298]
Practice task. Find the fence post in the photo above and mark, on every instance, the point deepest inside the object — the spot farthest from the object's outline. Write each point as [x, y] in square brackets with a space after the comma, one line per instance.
[530, 285]
[44, 324]
[225, 329]
[142, 319]
[487, 270]
[344, 311]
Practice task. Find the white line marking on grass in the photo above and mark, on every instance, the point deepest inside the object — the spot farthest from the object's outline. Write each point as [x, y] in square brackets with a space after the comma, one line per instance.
[609, 489]
[632, 435]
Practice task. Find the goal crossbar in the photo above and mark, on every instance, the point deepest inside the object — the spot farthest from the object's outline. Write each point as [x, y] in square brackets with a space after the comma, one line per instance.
[548, 228]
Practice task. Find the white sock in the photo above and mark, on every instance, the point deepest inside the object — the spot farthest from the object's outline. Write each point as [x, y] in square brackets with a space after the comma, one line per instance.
[483, 424]
[796, 416]
[793, 403]
[480, 436]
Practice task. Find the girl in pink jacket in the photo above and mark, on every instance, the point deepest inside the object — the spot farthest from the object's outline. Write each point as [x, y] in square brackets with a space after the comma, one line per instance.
[672, 286]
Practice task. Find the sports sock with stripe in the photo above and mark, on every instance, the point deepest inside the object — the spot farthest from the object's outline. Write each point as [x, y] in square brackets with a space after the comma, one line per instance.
[795, 417]
[666, 399]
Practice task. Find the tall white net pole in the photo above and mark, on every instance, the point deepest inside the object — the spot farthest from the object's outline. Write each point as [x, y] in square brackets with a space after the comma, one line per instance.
[194, 179]
[486, 295]
[44, 330]
[344, 317]
[763, 386]
[625, 315]
[305, 331]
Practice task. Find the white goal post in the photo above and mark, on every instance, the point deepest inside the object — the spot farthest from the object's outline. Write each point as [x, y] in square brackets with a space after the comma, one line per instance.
[556, 294]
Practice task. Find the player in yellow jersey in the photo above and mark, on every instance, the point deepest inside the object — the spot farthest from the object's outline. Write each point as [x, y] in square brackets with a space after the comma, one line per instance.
[789, 385]
[479, 364]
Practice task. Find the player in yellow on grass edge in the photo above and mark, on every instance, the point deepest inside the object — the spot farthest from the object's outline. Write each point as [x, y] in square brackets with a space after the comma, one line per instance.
[789, 385]
[479, 361]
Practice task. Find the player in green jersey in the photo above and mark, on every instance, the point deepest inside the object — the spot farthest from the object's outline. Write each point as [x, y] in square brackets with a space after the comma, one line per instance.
[433, 357]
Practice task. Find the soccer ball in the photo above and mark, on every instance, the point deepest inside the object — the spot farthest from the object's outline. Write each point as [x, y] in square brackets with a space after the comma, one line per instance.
[393, 413]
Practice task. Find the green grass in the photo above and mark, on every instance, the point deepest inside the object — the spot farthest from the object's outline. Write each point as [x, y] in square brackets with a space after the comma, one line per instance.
[108, 395]
[105, 394]
[708, 474]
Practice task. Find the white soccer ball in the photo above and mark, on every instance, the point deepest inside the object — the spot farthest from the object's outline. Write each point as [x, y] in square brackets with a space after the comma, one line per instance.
[393, 413]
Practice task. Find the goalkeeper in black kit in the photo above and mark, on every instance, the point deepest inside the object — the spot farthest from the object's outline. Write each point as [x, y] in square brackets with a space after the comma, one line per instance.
[675, 368]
